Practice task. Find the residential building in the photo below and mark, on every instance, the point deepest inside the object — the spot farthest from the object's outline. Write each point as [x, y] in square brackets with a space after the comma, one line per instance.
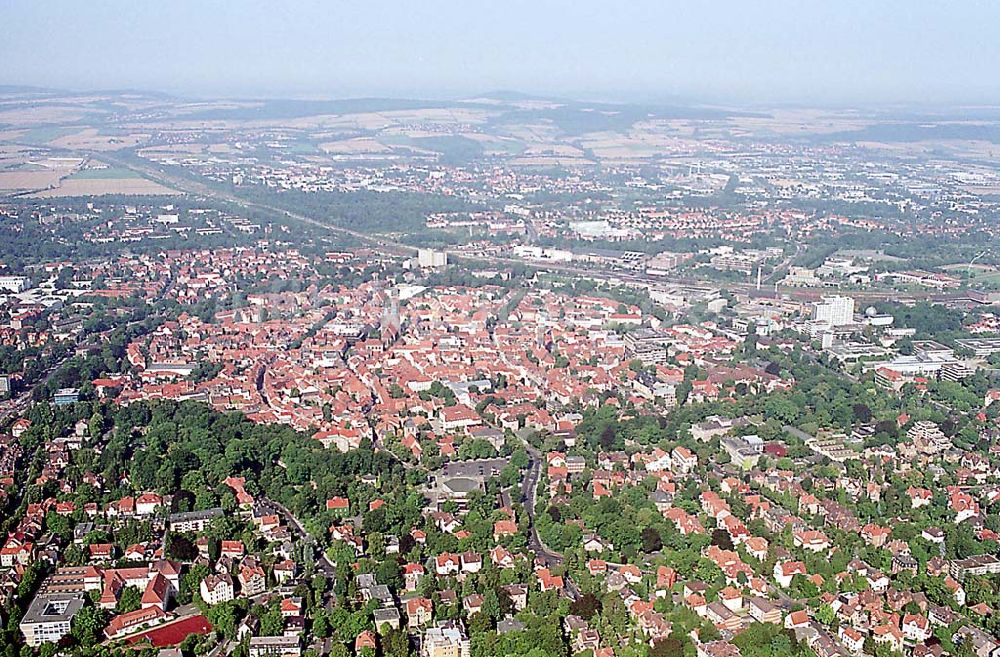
[446, 641]
[217, 588]
[274, 646]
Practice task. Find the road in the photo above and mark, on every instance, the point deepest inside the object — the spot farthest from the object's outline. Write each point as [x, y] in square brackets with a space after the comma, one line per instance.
[323, 562]
[529, 495]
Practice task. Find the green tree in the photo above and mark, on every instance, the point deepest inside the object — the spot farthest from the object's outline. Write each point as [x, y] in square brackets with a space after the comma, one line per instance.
[320, 626]
[586, 606]
[271, 622]
[825, 614]
[88, 625]
[668, 647]
[129, 600]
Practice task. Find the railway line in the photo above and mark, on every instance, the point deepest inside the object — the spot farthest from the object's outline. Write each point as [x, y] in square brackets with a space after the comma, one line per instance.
[394, 248]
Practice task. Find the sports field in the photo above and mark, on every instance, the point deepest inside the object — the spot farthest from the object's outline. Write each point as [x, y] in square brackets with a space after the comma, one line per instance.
[173, 633]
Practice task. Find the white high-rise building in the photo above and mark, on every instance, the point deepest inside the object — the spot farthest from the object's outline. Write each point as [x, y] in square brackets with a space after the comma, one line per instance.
[835, 311]
[429, 258]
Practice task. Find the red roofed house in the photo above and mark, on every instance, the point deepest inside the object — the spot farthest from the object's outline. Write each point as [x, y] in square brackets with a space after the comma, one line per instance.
[785, 571]
[133, 621]
[158, 592]
[547, 581]
[666, 577]
[413, 573]
[853, 640]
[365, 640]
[447, 564]
[797, 619]
[683, 460]
[147, 504]
[338, 504]
[419, 611]
[503, 528]
[232, 549]
[458, 417]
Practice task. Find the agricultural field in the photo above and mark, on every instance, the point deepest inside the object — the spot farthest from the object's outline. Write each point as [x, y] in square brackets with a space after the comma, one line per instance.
[100, 182]
[20, 171]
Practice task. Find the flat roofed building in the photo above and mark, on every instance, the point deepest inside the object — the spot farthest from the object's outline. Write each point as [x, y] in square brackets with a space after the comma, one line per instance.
[834, 311]
[193, 521]
[981, 347]
[979, 564]
[744, 451]
[274, 646]
[429, 258]
[14, 284]
[49, 617]
[66, 396]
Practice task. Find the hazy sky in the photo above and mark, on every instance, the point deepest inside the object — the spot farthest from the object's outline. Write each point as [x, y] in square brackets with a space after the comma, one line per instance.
[723, 50]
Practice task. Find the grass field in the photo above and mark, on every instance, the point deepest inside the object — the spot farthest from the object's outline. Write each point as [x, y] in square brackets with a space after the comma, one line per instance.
[302, 148]
[985, 278]
[110, 173]
[46, 134]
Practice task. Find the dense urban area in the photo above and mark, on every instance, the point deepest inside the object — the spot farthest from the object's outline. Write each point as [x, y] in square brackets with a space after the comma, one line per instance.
[504, 376]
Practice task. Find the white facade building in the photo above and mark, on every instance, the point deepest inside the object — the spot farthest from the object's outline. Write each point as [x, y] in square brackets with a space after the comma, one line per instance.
[835, 311]
[429, 258]
[14, 284]
[49, 618]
